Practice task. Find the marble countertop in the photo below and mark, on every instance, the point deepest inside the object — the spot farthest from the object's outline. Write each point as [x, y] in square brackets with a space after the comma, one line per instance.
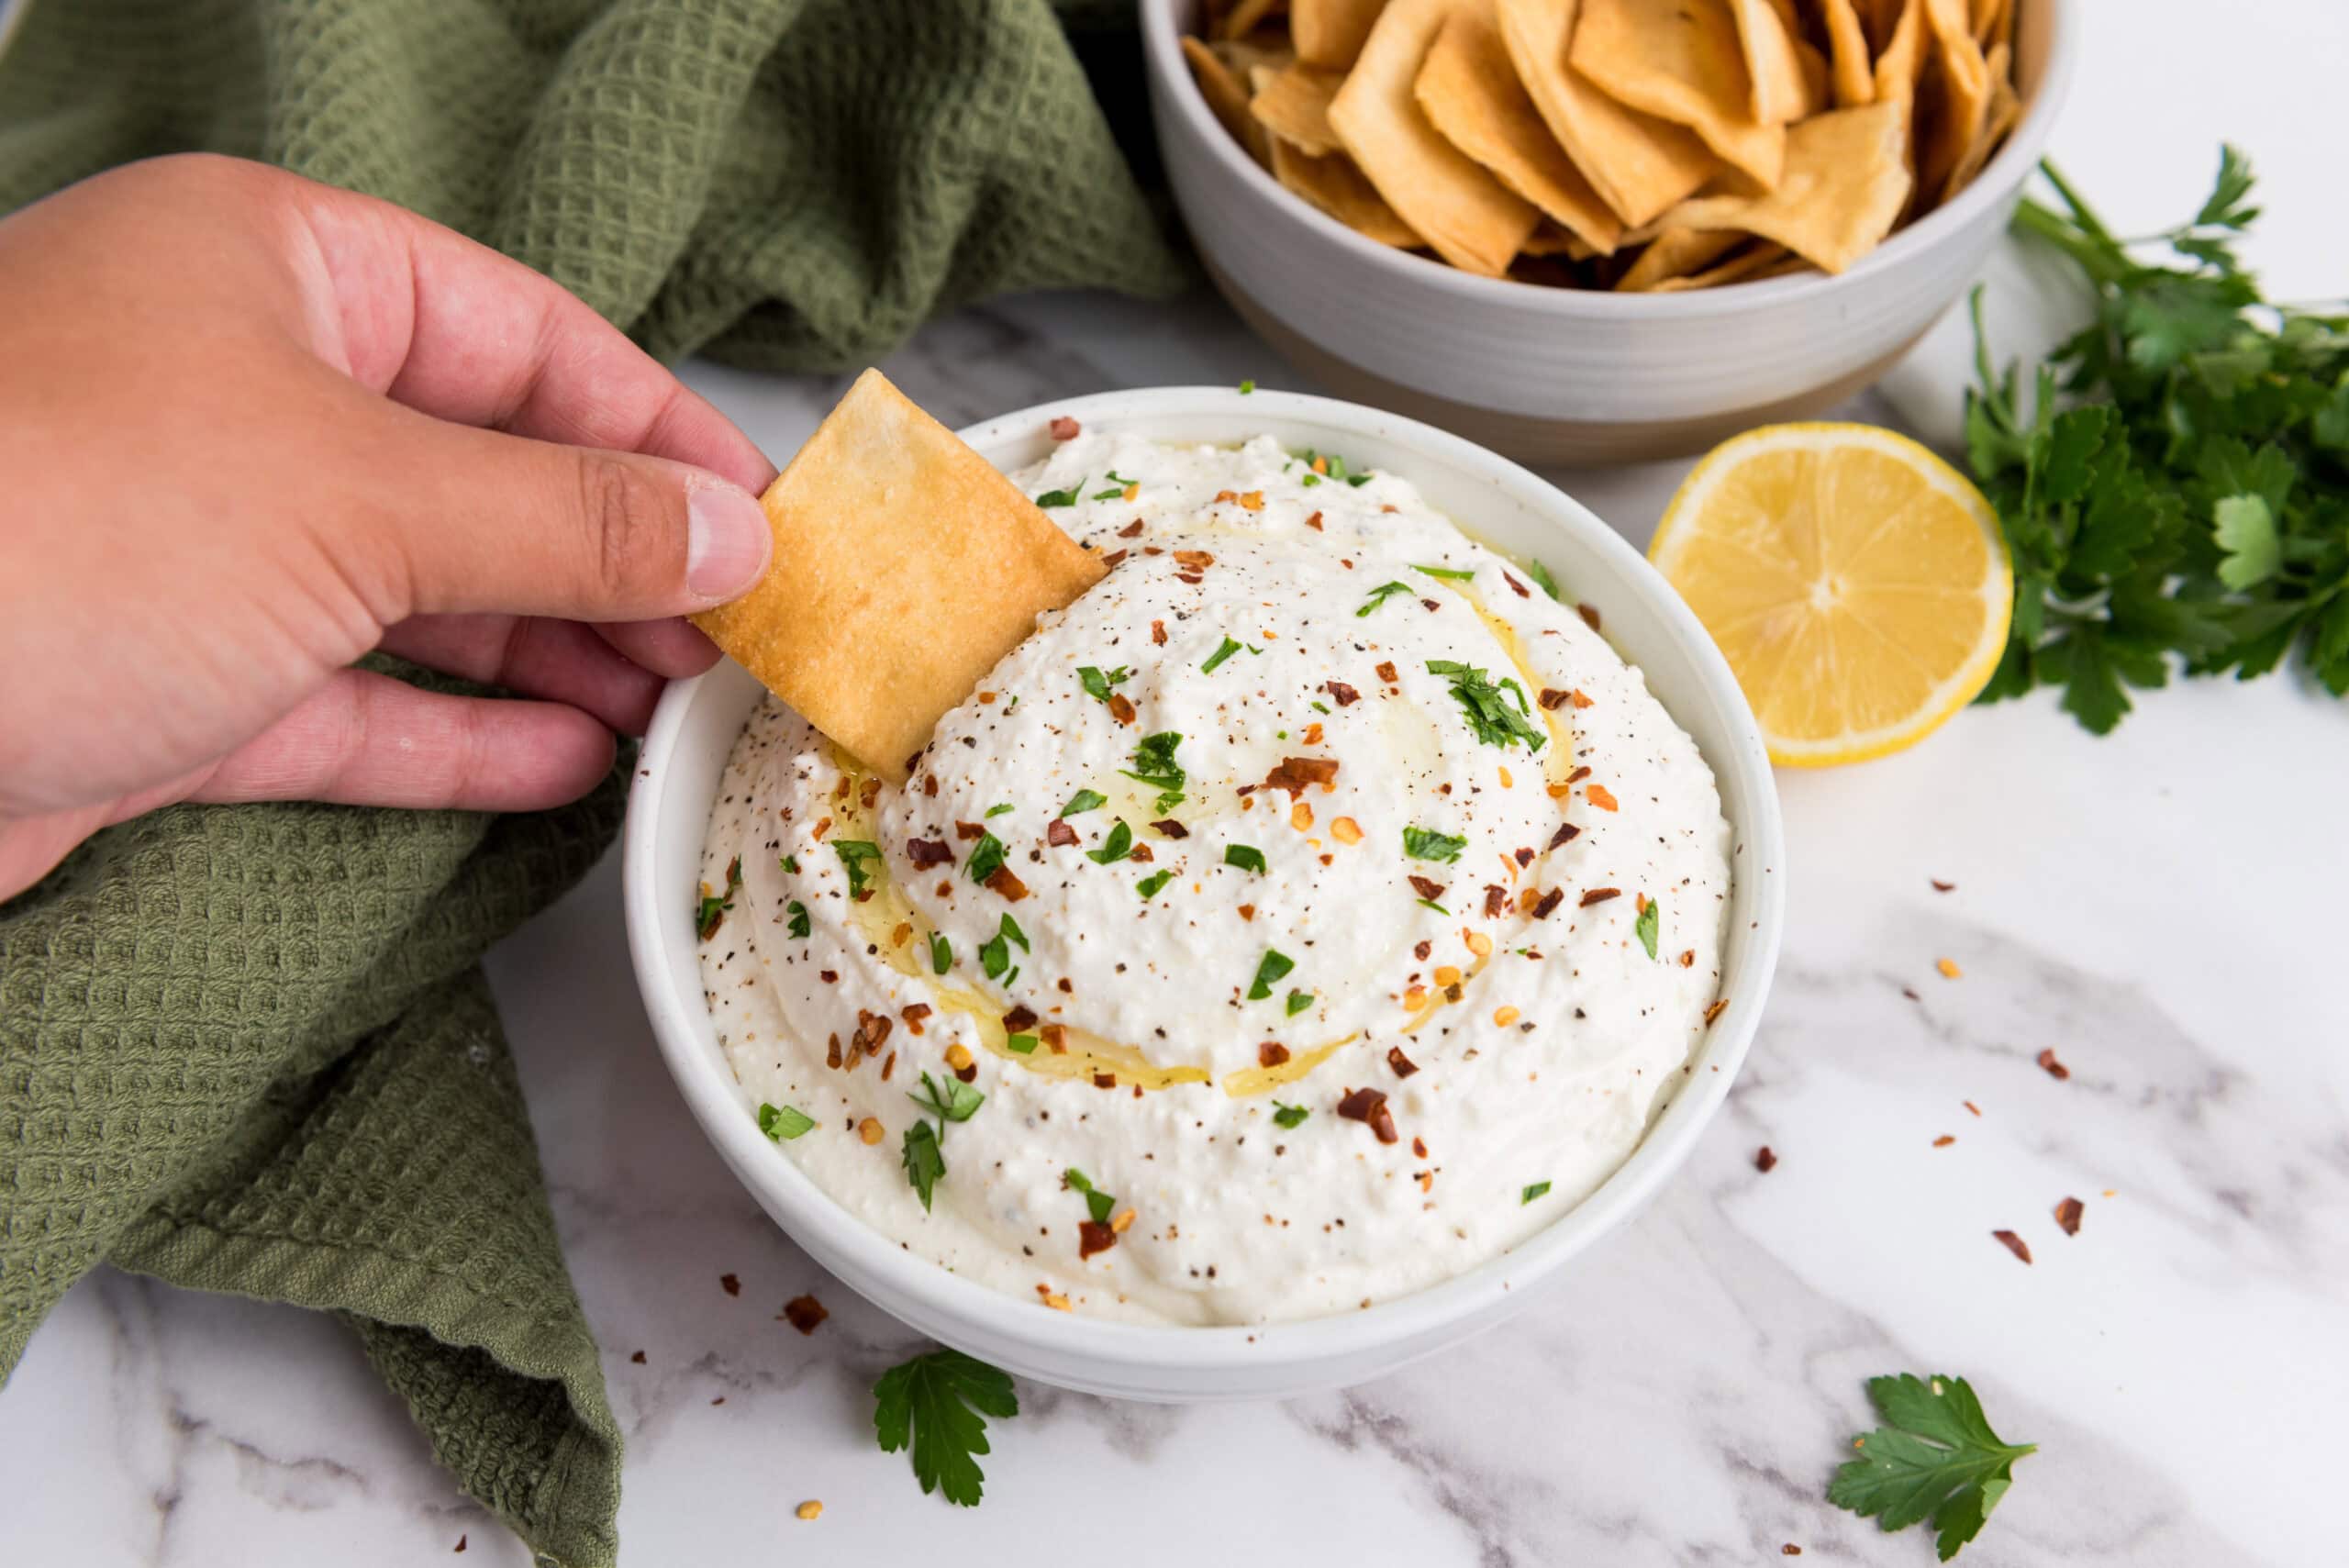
[2162, 908]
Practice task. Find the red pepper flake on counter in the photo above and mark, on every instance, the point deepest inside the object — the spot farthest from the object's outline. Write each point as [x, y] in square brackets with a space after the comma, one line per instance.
[732, 1284]
[2067, 1215]
[2053, 1068]
[1764, 1160]
[1940, 886]
[1944, 1140]
[1369, 1107]
[804, 1313]
[2013, 1243]
[1387, 673]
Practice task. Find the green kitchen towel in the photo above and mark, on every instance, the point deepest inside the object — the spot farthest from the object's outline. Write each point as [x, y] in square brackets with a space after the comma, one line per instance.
[789, 184]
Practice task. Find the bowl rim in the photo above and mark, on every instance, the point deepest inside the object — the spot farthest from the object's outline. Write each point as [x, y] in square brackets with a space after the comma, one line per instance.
[1461, 1303]
[1171, 84]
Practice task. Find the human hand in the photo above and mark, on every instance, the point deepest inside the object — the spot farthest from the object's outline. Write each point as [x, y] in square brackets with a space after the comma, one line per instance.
[252, 427]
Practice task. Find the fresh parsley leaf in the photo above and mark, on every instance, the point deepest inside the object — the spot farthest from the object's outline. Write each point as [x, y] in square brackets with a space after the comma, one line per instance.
[1541, 578]
[925, 1163]
[1273, 966]
[1489, 714]
[1447, 573]
[1935, 1458]
[1246, 387]
[1431, 904]
[783, 1122]
[995, 956]
[1380, 595]
[1154, 765]
[998, 810]
[1097, 682]
[1084, 800]
[712, 909]
[1061, 497]
[2245, 530]
[1020, 1044]
[859, 857]
[1288, 1116]
[1647, 925]
[956, 1101]
[798, 928]
[1229, 648]
[987, 858]
[1149, 886]
[1536, 1190]
[1426, 844]
[938, 1402]
[1298, 1001]
[1009, 931]
[1114, 477]
[1318, 707]
[1114, 848]
[1247, 857]
[1112, 494]
[1098, 1204]
[941, 954]
[791, 864]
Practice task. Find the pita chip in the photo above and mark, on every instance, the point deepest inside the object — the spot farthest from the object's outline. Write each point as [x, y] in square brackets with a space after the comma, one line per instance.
[905, 567]
[1244, 18]
[1335, 186]
[1294, 105]
[1330, 33]
[1950, 121]
[1847, 44]
[2004, 111]
[1227, 99]
[1471, 219]
[1778, 94]
[1471, 94]
[1901, 60]
[1989, 20]
[1680, 60]
[1754, 261]
[1676, 254]
[1846, 182]
[1639, 165]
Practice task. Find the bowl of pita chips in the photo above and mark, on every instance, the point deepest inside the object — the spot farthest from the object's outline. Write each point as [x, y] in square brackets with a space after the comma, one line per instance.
[1592, 231]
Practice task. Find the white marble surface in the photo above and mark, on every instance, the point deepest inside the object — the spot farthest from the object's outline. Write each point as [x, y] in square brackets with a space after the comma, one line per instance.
[2163, 908]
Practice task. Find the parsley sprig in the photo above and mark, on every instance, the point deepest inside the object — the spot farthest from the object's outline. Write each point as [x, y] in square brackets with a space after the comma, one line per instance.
[1426, 844]
[1097, 681]
[2192, 502]
[1490, 715]
[1154, 765]
[1935, 1457]
[938, 1402]
[1380, 595]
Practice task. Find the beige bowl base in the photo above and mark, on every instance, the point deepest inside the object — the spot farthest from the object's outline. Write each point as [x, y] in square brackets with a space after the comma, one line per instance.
[1544, 443]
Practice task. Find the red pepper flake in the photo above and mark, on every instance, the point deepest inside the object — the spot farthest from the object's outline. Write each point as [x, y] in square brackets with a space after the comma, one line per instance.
[1139, 854]
[1094, 1236]
[805, 1313]
[1152, 550]
[1055, 1036]
[1790, 1549]
[890, 1065]
[929, 783]
[1271, 1053]
[1553, 698]
[1194, 560]
[1421, 951]
[1063, 428]
[732, 1284]
[1404, 1066]
[927, 852]
[1715, 1011]
[2067, 1215]
[1566, 834]
[1296, 772]
[1581, 698]
[1496, 898]
[1599, 796]
[967, 831]
[1001, 881]
[1193, 578]
[1158, 632]
[1020, 1020]
[1764, 1160]
[1940, 886]
[871, 1029]
[1689, 958]
[2054, 1067]
[1130, 529]
[1248, 911]
[1341, 694]
[1522, 592]
[1545, 905]
[1059, 834]
[1112, 559]
[1120, 708]
[1969, 1104]
[2013, 1243]
[1589, 614]
[1944, 1140]
[1432, 605]
[461, 1541]
[1578, 775]
[1314, 522]
[1369, 1107]
[823, 825]
[1522, 856]
[1387, 673]
[829, 976]
[638, 1358]
[832, 1052]
[1171, 829]
[1107, 1080]
[1426, 889]
[1599, 895]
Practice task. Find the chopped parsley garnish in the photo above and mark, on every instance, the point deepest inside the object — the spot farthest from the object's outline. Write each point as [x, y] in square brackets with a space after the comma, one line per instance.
[941, 954]
[1490, 713]
[1154, 765]
[998, 810]
[1298, 1001]
[799, 927]
[1334, 466]
[1431, 904]
[1273, 966]
[1246, 387]
[1380, 595]
[1148, 886]
[1317, 707]
[781, 1122]
[1061, 497]
[987, 858]
[957, 1101]
[1021, 1045]
[938, 1402]
[1644, 928]
[1097, 682]
[995, 953]
[712, 908]
[1535, 1191]
[1288, 1116]
[858, 857]
[1112, 493]
[1446, 573]
[791, 864]
[1426, 844]
[924, 1163]
[1541, 578]
[1114, 848]
[1098, 1204]
[1218, 656]
[1084, 800]
[1247, 857]
[1935, 1458]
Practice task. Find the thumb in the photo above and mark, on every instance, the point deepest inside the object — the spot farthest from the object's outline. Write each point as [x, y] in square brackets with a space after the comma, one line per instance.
[503, 523]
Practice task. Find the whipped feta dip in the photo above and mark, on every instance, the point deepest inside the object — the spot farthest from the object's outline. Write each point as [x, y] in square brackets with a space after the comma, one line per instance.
[1314, 909]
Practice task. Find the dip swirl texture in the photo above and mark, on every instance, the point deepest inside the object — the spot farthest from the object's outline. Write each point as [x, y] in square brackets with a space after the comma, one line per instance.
[1320, 907]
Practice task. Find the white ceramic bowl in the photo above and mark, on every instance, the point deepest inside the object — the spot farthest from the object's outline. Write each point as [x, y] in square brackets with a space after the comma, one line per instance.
[1563, 376]
[696, 725]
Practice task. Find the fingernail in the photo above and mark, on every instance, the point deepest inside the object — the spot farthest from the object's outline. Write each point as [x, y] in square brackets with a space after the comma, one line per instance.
[727, 540]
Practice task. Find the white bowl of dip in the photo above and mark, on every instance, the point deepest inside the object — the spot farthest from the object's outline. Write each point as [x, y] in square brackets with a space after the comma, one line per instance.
[1499, 503]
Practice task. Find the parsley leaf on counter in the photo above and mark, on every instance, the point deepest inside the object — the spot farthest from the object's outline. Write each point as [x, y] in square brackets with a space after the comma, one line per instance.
[781, 1122]
[1648, 926]
[1084, 800]
[1426, 844]
[938, 1402]
[1247, 857]
[1114, 848]
[1273, 966]
[1496, 723]
[1097, 682]
[1936, 1458]
[858, 857]
[1229, 648]
[1380, 595]
[987, 858]
[2190, 504]
[925, 1164]
[1288, 1116]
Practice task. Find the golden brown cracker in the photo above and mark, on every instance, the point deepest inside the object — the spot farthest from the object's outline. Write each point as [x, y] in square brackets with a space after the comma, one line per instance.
[1778, 89]
[905, 567]
[1294, 106]
[1227, 99]
[1951, 115]
[1754, 261]
[2005, 109]
[1337, 188]
[1847, 43]
[1846, 182]
[1676, 254]
[1680, 60]
[1330, 33]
